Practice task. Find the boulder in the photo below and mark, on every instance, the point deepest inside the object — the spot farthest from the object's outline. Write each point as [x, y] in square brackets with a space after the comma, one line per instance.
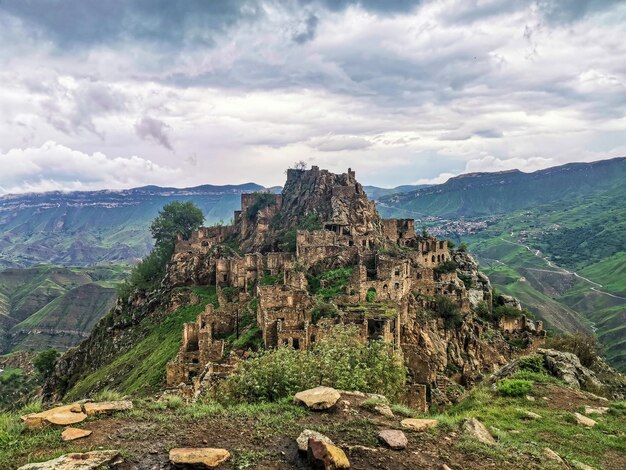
[478, 430]
[66, 417]
[384, 410]
[71, 434]
[531, 415]
[319, 398]
[200, 457]
[393, 438]
[106, 407]
[324, 456]
[86, 461]
[599, 410]
[549, 454]
[584, 421]
[567, 367]
[303, 439]
[66, 414]
[418, 424]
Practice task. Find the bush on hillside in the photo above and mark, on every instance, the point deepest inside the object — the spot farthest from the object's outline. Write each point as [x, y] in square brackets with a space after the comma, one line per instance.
[514, 387]
[339, 360]
[533, 363]
[449, 311]
[45, 361]
[448, 266]
[584, 345]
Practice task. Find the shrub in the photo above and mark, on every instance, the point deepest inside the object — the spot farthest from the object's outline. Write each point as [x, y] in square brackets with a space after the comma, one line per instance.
[448, 266]
[45, 361]
[339, 360]
[370, 297]
[467, 280]
[451, 244]
[323, 310]
[584, 345]
[463, 247]
[448, 310]
[533, 363]
[514, 387]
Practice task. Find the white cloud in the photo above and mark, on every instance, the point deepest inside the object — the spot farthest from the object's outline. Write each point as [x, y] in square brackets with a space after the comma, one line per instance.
[417, 95]
[57, 167]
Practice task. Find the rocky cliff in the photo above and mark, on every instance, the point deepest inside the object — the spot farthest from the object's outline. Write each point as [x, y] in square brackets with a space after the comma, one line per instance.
[320, 242]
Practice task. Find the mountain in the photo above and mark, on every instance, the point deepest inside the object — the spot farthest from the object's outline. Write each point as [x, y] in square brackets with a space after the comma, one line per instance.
[47, 306]
[96, 227]
[375, 193]
[555, 238]
[483, 194]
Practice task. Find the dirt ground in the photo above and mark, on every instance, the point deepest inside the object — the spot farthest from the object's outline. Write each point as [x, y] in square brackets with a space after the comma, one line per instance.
[256, 444]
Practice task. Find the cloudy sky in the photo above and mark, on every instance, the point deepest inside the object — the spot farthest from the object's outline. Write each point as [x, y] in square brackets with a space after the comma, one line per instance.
[114, 94]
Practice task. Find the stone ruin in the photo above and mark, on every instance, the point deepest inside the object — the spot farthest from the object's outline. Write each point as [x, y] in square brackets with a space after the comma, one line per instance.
[396, 277]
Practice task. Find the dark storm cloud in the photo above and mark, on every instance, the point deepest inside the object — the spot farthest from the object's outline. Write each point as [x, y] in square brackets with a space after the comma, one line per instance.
[174, 23]
[84, 23]
[149, 128]
[309, 30]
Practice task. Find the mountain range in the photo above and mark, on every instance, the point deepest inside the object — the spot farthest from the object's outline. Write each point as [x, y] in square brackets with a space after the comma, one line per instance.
[555, 238]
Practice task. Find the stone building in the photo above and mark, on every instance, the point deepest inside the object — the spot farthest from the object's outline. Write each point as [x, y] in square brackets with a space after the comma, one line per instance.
[396, 277]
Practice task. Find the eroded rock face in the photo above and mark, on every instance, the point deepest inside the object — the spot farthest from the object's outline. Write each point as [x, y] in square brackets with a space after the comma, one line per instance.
[567, 367]
[86, 461]
[199, 457]
[318, 398]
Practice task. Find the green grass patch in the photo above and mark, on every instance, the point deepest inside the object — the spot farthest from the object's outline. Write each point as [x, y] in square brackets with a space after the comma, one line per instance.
[141, 370]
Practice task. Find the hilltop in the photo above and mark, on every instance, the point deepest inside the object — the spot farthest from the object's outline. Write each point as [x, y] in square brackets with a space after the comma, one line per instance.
[313, 287]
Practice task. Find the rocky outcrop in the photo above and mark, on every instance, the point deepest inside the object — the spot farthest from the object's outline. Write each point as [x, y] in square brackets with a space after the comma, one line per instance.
[87, 461]
[567, 367]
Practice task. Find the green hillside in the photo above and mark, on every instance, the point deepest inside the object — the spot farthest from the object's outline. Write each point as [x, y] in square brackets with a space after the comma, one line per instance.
[483, 194]
[98, 227]
[51, 306]
[556, 239]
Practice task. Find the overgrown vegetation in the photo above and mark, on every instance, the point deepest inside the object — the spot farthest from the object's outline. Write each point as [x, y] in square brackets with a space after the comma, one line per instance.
[175, 218]
[449, 311]
[330, 284]
[584, 345]
[447, 266]
[514, 387]
[44, 362]
[261, 201]
[339, 360]
[141, 369]
[288, 239]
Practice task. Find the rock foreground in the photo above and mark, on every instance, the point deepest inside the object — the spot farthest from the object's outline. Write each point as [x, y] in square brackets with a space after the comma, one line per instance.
[319, 398]
[87, 461]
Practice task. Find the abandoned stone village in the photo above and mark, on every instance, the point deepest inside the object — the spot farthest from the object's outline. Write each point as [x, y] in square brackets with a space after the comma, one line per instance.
[282, 250]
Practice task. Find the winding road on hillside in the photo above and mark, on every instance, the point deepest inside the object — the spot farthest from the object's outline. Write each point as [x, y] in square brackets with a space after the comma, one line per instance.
[561, 270]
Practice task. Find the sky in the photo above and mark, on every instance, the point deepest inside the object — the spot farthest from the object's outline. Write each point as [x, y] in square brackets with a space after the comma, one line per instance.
[116, 94]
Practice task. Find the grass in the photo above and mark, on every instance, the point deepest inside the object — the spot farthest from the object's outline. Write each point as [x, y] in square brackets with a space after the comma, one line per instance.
[506, 418]
[141, 370]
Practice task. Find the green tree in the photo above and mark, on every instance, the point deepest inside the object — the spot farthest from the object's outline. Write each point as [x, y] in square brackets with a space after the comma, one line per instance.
[173, 219]
[45, 361]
